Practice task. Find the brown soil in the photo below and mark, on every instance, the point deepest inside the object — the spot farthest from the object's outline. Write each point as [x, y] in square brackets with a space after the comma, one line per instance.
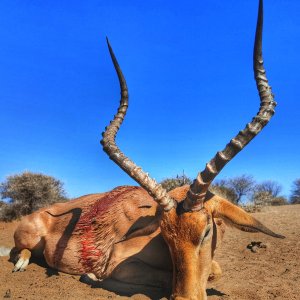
[269, 273]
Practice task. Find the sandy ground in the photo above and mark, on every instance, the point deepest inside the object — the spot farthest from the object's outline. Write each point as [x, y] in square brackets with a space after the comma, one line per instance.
[270, 273]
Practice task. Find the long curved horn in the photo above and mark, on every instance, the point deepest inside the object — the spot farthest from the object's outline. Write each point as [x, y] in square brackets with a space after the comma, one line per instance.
[109, 146]
[198, 189]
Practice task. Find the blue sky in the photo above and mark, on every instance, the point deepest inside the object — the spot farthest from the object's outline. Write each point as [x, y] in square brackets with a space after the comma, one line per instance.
[188, 65]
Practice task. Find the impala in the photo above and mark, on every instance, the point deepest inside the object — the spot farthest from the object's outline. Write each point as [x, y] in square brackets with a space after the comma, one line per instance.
[143, 236]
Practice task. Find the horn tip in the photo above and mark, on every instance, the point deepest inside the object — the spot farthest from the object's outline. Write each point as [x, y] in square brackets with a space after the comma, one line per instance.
[107, 41]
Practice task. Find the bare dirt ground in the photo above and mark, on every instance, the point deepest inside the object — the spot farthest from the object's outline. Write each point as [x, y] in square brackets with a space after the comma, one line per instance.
[270, 273]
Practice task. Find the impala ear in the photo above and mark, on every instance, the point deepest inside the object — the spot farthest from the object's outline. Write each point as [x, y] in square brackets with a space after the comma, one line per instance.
[238, 218]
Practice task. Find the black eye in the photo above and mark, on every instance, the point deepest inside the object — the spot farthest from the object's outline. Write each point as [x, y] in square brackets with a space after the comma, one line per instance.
[207, 233]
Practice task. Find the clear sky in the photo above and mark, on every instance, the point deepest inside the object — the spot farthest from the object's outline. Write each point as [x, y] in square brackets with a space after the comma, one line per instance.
[188, 65]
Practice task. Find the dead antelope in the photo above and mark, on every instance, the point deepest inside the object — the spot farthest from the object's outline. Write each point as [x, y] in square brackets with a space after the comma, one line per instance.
[126, 237]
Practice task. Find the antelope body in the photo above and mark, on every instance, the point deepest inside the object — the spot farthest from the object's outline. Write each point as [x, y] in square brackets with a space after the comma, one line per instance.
[144, 236]
[117, 235]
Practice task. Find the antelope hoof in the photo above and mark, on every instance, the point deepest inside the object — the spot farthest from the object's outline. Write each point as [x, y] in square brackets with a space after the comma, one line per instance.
[21, 265]
[23, 261]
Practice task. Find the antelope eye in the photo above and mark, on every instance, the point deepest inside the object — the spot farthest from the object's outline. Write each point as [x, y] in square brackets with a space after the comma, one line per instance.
[207, 232]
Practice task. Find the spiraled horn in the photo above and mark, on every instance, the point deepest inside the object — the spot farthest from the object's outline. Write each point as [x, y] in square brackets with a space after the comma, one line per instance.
[109, 146]
[198, 189]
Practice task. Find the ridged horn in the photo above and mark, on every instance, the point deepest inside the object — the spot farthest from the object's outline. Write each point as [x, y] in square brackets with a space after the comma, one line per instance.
[198, 189]
[110, 147]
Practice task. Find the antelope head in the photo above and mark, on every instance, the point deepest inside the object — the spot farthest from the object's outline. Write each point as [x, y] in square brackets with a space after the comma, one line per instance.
[188, 225]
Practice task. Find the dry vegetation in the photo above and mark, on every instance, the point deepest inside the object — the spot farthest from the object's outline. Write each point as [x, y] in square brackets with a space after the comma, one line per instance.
[269, 273]
[27, 192]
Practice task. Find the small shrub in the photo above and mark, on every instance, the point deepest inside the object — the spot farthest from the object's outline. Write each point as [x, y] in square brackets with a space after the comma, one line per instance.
[11, 212]
[251, 208]
[171, 183]
[279, 201]
[262, 198]
[28, 192]
[220, 189]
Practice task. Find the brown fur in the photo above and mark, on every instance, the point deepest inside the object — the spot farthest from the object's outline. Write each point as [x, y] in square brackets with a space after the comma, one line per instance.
[117, 235]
